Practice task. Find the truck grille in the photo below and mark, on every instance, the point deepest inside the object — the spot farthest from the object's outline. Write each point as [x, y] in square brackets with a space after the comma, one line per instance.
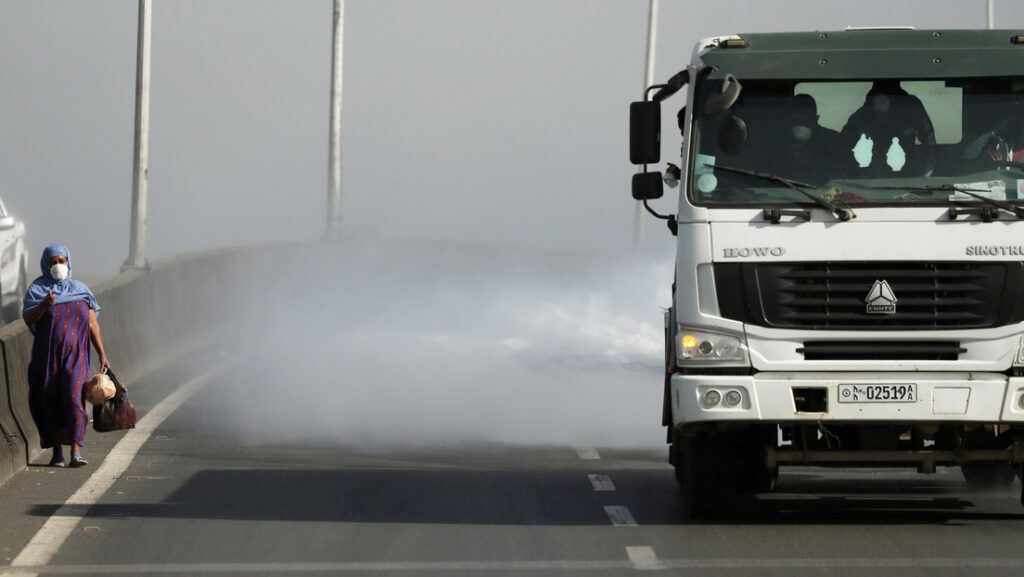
[833, 295]
[880, 351]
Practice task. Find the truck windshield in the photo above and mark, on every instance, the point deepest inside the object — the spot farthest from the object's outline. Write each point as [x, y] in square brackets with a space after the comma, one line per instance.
[864, 141]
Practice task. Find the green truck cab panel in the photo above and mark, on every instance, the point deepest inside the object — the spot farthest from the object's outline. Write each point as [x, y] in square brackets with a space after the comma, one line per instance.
[893, 53]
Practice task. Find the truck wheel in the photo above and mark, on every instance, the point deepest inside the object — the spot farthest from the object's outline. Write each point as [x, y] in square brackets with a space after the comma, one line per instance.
[987, 475]
[706, 472]
[758, 478]
[752, 472]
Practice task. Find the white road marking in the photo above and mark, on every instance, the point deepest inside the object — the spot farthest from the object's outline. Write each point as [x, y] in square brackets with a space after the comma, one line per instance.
[643, 558]
[48, 540]
[602, 482]
[587, 452]
[620, 516]
[506, 566]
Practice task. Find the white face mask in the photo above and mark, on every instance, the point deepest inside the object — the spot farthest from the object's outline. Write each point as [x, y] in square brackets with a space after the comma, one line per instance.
[59, 272]
[801, 133]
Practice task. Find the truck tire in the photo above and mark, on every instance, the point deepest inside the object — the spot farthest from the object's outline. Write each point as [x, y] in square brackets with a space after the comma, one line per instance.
[988, 475]
[706, 472]
[753, 475]
[756, 478]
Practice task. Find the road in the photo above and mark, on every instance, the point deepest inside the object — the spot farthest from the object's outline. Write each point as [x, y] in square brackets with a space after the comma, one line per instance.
[193, 500]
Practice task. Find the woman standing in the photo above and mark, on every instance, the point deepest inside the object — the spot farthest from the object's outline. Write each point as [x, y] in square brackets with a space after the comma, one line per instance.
[61, 313]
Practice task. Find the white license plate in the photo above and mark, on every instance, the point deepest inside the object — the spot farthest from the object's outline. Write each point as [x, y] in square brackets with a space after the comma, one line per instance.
[888, 393]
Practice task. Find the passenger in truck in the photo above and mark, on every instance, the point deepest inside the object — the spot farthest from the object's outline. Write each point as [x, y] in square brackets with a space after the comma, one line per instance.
[891, 134]
[999, 143]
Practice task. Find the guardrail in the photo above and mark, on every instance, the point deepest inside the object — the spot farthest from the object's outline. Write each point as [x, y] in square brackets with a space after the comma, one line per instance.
[143, 313]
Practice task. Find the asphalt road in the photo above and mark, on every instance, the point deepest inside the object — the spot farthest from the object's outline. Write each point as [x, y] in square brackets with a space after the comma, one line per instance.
[193, 501]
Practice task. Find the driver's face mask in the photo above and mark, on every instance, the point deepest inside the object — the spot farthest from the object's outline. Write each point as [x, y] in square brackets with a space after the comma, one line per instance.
[801, 133]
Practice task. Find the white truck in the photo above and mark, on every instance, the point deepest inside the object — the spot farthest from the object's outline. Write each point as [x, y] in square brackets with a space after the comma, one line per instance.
[13, 266]
[849, 285]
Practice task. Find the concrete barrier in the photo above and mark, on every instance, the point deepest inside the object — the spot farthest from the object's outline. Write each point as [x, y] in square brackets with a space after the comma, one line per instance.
[16, 343]
[144, 312]
[13, 450]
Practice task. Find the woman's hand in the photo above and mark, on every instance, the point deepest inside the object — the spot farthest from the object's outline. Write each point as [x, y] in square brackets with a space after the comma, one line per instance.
[32, 316]
[97, 342]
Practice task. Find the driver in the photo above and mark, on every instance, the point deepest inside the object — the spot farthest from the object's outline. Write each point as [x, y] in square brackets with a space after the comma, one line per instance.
[810, 152]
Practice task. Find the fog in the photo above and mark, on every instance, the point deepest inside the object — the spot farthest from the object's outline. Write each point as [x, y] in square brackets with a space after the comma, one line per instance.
[494, 121]
[487, 289]
[406, 345]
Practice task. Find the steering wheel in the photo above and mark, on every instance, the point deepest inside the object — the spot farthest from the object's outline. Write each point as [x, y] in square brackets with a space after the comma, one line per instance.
[1008, 165]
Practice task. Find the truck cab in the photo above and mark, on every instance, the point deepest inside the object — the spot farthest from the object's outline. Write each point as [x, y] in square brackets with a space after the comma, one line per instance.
[850, 255]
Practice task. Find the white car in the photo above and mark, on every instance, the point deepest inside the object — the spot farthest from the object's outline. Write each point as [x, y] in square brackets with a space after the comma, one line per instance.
[13, 265]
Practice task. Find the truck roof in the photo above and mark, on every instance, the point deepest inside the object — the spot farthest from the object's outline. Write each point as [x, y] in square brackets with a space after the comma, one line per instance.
[867, 53]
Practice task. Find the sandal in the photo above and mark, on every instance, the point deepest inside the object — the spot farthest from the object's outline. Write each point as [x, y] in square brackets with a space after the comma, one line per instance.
[78, 461]
[57, 461]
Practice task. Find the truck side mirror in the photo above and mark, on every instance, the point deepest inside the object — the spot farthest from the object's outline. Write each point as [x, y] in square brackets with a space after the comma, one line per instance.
[645, 132]
[648, 186]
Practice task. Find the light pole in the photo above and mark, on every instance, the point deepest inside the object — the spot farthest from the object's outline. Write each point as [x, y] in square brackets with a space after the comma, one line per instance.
[991, 16]
[140, 170]
[334, 170]
[652, 40]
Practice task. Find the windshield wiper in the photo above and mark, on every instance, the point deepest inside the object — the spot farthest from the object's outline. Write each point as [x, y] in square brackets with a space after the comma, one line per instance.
[986, 215]
[840, 213]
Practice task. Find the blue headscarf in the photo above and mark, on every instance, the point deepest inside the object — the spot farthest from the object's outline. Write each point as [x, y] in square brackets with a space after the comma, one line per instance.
[66, 291]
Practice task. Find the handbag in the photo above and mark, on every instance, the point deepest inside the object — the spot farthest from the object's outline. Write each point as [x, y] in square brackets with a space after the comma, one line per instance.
[115, 414]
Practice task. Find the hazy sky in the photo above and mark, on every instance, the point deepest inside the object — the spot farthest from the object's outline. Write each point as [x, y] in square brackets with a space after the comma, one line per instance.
[500, 121]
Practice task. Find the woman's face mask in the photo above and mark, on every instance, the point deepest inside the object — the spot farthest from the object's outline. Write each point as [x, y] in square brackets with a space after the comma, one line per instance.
[59, 272]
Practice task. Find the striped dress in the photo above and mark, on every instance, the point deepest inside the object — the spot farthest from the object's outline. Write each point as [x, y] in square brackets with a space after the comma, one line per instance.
[59, 367]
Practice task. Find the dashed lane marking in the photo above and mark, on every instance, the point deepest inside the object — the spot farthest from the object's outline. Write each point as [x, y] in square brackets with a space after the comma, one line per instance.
[757, 564]
[643, 558]
[602, 482]
[587, 452]
[620, 516]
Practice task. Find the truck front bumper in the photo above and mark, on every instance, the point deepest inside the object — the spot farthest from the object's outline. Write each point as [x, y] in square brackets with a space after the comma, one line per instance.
[792, 397]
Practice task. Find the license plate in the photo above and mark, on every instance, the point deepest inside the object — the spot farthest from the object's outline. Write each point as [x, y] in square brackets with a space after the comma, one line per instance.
[889, 393]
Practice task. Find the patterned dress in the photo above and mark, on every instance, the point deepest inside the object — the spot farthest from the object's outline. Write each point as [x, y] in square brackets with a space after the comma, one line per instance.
[59, 368]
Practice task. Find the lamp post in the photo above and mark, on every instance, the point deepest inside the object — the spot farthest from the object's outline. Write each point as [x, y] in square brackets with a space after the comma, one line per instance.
[140, 169]
[334, 170]
[652, 37]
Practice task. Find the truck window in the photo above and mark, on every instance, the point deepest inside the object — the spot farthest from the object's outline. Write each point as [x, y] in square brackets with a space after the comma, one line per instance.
[837, 101]
[862, 139]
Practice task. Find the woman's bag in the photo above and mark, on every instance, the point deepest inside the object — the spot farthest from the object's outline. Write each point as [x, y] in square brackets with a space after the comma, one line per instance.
[115, 414]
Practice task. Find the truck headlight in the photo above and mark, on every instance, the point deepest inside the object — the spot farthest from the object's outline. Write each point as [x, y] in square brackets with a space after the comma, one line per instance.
[703, 346]
[1019, 360]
